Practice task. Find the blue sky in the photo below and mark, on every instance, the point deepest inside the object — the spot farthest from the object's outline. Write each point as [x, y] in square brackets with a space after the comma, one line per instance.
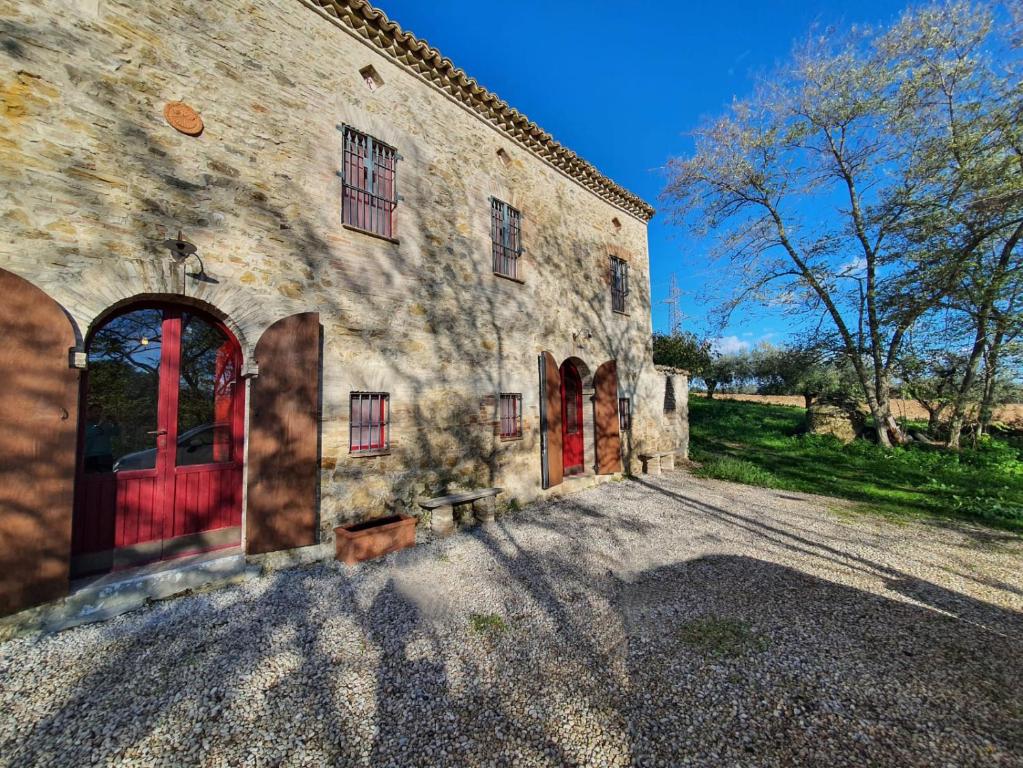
[622, 84]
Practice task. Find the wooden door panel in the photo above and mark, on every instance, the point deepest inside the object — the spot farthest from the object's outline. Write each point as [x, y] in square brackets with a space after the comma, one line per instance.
[606, 424]
[38, 440]
[552, 412]
[138, 512]
[284, 437]
[204, 500]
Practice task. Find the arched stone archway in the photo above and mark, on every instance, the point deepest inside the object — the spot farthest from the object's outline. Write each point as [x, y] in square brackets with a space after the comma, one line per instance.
[241, 332]
[38, 424]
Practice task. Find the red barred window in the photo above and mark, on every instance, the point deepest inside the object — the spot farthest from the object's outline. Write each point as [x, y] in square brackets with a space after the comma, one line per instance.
[368, 427]
[370, 173]
[511, 415]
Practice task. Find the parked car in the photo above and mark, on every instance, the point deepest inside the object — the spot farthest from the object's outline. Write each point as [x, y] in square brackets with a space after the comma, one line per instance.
[195, 446]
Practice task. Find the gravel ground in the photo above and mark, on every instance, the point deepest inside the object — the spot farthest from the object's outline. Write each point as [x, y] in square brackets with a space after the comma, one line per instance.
[668, 621]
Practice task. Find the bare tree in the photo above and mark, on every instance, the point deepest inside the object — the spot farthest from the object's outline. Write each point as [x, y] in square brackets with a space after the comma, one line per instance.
[826, 188]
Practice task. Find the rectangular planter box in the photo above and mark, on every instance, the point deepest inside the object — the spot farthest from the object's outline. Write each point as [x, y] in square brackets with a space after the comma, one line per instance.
[374, 538]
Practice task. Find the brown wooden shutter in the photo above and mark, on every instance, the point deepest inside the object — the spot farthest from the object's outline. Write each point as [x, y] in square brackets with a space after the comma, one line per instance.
[606, 424]
[552, 411]
[38, 440]
[284, 437]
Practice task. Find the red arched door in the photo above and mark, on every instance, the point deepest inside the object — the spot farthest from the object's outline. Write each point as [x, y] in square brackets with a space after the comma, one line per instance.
[572, 420]
[160, 440]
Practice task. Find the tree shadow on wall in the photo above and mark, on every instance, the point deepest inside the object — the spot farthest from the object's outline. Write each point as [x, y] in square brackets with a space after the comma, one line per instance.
[466, 318]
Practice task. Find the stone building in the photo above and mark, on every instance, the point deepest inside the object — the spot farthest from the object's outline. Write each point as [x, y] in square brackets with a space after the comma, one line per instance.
[388, 284]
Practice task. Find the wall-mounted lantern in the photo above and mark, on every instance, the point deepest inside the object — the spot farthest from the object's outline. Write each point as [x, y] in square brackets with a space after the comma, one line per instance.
[180, 250]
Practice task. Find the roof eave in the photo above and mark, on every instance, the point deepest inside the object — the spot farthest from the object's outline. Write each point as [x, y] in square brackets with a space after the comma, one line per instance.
[422, 59]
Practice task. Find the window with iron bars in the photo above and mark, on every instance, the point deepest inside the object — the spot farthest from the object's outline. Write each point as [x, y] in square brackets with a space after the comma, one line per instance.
[370, 174]
[619, 283]
[506, 234]
[624, 414]
[369, 423]
[511, 415]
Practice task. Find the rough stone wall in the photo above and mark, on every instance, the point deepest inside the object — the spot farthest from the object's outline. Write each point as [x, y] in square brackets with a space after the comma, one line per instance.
[675, 426]
[94, 179]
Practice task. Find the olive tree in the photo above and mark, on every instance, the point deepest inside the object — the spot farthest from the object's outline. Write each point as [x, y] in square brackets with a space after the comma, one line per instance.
[829, 188]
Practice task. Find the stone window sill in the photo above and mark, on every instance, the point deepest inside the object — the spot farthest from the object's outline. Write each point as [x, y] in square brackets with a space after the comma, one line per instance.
[518, 280]
[361, 231]
[370, 453]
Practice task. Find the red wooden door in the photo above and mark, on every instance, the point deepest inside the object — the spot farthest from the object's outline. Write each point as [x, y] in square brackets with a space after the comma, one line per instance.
[572, 418]
[160, 440]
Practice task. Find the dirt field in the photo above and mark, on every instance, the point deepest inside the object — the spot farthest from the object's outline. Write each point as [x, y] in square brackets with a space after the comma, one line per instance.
[909, 409]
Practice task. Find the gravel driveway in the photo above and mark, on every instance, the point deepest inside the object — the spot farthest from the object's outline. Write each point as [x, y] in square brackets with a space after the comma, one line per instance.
[668, 621]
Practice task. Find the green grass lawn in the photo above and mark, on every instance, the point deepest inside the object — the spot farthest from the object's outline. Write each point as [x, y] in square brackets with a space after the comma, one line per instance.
[760, 444]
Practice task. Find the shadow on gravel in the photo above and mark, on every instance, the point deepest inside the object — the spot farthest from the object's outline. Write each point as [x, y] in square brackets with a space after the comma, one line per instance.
[164, 668]
[966, 608]
[822, 674]
[718, 660]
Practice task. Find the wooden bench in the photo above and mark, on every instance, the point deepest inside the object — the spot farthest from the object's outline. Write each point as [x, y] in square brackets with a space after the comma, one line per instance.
[442, 508]
[653, 463]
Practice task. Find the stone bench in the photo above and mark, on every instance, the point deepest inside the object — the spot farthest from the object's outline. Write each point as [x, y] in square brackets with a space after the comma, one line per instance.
[653, 463]
[442, 508]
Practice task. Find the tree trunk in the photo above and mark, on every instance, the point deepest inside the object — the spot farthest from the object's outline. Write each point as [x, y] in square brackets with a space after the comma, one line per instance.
[880, 416]
[807, 401]
[711, 387]
[959, 404]
[985, 308]
[987, 400]
[887, 426]
[933, 417]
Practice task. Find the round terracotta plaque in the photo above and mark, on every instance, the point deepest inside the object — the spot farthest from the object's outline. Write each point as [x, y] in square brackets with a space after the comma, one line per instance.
[183, 118]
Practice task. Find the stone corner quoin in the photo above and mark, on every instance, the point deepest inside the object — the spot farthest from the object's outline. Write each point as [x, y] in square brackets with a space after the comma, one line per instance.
[275, 137]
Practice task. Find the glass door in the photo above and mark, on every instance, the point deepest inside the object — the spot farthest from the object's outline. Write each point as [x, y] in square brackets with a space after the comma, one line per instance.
[160, 440]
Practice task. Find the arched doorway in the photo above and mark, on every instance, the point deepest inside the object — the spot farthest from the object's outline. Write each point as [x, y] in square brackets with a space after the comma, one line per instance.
[160, 439]
[573, 456]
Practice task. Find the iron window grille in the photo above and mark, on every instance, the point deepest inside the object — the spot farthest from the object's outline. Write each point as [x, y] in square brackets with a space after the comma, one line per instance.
[369, 425]
[370, 176]
[619, 283]
[511, 415]
[624, 414]
[506, 235]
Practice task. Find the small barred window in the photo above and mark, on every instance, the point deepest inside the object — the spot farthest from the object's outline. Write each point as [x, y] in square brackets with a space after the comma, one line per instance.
[511, 415]
[368, 427]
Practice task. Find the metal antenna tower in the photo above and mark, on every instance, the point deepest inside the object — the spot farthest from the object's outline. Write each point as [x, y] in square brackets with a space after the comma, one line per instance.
[674, 310]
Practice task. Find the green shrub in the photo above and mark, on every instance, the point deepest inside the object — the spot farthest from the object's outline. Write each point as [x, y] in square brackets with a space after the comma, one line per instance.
[487, 624]
[738, 471]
